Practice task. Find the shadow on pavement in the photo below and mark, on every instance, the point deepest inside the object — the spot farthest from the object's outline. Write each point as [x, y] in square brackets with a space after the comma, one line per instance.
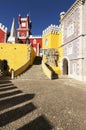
[5, 81]
[5, 85]
[40, 123]
[7, 103]
[8, 88]
[10, 93]
[19, 99]
[15, 114]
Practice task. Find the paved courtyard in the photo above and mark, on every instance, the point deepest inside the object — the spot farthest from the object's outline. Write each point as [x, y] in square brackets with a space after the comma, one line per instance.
[43, 104]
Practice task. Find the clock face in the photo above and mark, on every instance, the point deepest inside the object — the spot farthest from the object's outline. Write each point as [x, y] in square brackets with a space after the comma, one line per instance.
[23, 24]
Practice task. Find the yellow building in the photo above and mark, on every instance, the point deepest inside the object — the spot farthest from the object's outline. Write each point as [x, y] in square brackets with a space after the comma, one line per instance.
[16, 57]
[52, 38]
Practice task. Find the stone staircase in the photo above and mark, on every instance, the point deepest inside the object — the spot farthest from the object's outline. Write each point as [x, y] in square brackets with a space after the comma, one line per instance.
[34, 72]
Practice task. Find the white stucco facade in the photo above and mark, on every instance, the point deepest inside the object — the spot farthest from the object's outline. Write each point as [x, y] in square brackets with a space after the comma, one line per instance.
[73, 25]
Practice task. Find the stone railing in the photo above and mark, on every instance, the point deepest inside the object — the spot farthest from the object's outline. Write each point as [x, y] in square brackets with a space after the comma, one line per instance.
[46, 70]
[21, 69]
[49, 71]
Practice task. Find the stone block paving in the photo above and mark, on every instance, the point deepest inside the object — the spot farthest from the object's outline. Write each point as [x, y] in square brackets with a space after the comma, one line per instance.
[33, 104]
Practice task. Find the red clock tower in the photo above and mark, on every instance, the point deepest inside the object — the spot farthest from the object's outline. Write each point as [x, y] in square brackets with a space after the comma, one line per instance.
[24, 30]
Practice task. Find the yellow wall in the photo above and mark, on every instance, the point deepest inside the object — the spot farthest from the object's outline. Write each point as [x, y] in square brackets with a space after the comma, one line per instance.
[48, 36]
[54, 41]
[15, 54]
[33, 55]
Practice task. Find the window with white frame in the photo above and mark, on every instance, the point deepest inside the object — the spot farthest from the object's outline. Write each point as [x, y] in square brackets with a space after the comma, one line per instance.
[46, 42]
[23, 24]
[34, 41]
[70, 29]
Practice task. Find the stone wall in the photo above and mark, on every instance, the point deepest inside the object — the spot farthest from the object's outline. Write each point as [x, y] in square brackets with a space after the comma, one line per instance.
[52, 57]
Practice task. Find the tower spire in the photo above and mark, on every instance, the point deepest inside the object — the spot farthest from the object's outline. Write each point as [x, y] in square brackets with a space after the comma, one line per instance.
[13, 36]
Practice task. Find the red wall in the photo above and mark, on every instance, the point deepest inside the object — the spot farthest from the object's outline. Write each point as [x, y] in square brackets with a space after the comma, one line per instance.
[38, 40]
[2, 36]
[35, 42]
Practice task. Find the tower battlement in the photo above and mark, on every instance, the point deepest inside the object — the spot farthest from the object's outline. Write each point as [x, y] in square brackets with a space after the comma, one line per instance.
[51, 29]
[2, 27]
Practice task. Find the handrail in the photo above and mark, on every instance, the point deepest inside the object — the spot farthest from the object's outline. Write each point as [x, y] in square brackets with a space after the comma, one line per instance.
[19, 70]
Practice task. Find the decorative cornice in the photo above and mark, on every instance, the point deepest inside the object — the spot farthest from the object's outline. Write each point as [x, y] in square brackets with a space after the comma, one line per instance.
[82, 35]
[23, 19]
[33, 36]
[76, 3]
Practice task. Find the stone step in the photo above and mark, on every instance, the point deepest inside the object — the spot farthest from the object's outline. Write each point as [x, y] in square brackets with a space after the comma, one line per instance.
[34, 72]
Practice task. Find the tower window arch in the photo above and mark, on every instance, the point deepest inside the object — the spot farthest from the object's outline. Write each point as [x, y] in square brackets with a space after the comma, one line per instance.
[34, 41]
[46, 42]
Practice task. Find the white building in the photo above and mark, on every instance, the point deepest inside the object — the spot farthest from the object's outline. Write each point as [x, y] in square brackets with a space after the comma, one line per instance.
[73, 24]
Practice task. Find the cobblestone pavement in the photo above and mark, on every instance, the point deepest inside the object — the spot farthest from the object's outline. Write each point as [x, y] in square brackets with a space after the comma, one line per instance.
[43, 105]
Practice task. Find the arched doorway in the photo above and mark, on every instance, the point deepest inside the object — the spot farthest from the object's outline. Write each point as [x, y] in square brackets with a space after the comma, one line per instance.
[65, 66]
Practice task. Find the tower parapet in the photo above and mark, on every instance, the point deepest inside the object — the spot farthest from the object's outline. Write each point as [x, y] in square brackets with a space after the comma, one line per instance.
[2, 27]
[3, 33]
[51, 29]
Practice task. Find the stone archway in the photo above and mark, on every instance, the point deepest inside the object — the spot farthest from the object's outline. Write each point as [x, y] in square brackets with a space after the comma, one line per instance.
[65, 66]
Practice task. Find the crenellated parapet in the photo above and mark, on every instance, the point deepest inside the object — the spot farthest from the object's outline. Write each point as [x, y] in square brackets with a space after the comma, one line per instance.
[2, 27]
[54, 29]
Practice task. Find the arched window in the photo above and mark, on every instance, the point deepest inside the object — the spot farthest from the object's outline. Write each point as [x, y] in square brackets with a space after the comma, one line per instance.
[34, 41]
[46, 42]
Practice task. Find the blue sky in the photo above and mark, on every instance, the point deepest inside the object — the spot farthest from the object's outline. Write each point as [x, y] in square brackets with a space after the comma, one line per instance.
[42, 12]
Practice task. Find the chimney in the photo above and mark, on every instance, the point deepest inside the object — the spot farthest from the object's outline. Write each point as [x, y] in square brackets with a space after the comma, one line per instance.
[62, 15]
